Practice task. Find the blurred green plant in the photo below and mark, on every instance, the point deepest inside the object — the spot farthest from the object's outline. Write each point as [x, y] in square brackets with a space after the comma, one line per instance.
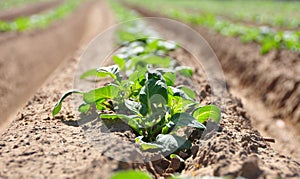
[40, 20]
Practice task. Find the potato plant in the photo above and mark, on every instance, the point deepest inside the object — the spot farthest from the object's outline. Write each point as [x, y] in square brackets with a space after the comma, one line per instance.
[142, 93]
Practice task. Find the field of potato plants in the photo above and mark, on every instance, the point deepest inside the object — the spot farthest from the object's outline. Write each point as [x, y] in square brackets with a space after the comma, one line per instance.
[149, 89]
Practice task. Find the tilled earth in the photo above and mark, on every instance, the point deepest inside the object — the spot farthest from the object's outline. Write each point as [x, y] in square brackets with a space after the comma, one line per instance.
[38, 146]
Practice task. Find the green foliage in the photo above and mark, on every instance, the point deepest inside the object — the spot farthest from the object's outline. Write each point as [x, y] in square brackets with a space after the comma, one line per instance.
[15, 3]
[210, 12]
[132, 174]
[142, 94]
[58, 105]
[268, 38]
[207, 112]
[39, 20]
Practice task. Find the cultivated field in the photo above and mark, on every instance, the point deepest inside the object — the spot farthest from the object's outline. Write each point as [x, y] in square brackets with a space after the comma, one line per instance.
[149, 89]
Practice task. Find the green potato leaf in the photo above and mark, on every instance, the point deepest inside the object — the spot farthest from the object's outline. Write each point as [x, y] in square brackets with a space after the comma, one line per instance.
[58, 105]
[107, 92]
[187, 91]
[119, 61]
[130, 119]
[172, 143]
[132, 174]
[110, 71]
[184, 71]
[207, 112]
[84, 108]
[170, 78]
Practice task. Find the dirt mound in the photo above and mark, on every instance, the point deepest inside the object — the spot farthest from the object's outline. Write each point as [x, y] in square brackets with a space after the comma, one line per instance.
[242, 63]
[27, 58]
[274, 78]
[37, 145]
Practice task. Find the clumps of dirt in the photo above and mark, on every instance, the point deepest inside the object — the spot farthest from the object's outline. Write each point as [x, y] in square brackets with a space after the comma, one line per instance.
[237, 149]
[273, 78]
[37, 145]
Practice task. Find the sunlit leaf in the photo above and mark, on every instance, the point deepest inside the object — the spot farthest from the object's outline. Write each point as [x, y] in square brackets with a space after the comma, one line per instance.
[207, 112]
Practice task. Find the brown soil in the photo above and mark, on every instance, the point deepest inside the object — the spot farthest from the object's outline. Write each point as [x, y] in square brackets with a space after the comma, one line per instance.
[36, 145]
[270, 82]
[27, 59]
[28, 10]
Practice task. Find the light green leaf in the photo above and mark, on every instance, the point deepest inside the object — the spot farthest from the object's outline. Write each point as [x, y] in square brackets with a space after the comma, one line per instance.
[119, 61]
[188, 91]
[154, 92]
[185, 119]
[147, 145]
[132, 174]
[150, 59]
[176, 156]
[170, 78]
[172, 143]
[184, 71]
[92, 72]
[84, 108]
[112, 71]
[207, 112]
[107, 92]
[58, 105]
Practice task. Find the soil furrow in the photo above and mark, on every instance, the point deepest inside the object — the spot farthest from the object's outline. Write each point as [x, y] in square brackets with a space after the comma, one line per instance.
[255, 71]
[28, 58]
[264, 82]
[37, 145]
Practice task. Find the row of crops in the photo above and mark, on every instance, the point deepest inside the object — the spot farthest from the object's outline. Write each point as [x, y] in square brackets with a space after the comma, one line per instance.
[142, 92]
[4, 5]
[209, 14]
[276, 13]
[41, 20]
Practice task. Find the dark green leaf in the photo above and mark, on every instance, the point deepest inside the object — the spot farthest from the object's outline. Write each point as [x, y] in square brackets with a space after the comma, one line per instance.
[130, 119]
[58, 105]
[207, 112]
[176, 156]
[185, 119]
[172, 143]
[154, 92]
